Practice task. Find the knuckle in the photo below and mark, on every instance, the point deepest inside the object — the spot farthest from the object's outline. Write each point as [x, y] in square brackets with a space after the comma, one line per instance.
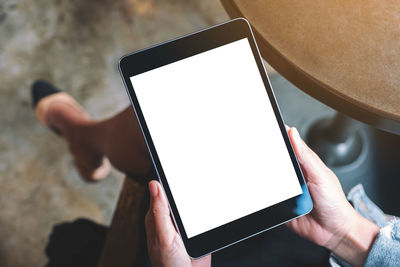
[148, 219]
[155, 211]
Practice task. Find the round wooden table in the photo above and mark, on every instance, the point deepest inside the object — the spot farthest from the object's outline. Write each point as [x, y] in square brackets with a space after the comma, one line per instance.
[346, 54]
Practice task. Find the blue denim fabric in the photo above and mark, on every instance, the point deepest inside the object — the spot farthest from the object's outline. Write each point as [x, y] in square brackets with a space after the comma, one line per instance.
[386, 249]
[363, 205]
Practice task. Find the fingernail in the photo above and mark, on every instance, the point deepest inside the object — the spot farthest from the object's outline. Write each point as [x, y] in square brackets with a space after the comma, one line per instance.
[153, 188]
[296, 134]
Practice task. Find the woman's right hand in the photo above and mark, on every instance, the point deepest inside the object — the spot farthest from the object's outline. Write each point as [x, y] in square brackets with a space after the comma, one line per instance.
[333, 223]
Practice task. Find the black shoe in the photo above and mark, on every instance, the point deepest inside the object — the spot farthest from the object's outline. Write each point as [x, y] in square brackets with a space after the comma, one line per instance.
[41, 89]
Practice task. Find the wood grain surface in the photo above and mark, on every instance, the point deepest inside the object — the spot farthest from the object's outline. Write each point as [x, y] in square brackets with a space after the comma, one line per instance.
[125, 242]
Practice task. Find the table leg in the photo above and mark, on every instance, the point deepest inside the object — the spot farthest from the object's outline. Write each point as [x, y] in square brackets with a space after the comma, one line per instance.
[338, 140]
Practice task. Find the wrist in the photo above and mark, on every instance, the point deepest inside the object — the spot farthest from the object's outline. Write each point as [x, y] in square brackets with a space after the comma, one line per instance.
[356, 243]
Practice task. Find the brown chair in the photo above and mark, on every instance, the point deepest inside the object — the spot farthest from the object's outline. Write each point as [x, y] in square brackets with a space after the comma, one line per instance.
[125, 242]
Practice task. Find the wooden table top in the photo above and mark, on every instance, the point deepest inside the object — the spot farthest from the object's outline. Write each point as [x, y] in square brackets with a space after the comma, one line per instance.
[344, 53]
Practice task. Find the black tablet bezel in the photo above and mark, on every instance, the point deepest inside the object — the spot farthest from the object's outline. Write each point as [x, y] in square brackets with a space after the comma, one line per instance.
[183, 47]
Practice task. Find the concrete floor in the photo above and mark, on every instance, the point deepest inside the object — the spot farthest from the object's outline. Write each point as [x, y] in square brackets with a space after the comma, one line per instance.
[76, 45]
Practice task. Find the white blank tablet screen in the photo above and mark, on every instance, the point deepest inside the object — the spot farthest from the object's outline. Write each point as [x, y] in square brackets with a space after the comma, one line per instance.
[216, 136]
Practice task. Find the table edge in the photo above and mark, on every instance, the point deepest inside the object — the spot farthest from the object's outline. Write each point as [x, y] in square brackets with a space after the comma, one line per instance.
[315, 88]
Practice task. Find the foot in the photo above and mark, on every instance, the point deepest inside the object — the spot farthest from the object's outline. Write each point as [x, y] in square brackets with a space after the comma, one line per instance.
[61, 113]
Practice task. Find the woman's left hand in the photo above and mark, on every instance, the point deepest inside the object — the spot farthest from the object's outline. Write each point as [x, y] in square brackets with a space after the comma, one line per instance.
[164, 244]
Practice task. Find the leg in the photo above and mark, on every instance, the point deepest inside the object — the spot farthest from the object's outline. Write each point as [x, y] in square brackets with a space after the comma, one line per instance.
[120, 139]
[91, 142]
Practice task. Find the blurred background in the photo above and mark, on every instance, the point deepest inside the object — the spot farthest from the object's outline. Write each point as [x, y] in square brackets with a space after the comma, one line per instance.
[76, 45]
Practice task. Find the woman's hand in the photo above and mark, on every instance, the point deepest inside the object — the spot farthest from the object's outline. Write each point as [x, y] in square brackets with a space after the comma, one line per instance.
[164, 243]
[333, 223]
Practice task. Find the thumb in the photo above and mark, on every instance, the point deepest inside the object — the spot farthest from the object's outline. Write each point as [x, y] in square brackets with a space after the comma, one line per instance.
[312, 166]
[159, 226]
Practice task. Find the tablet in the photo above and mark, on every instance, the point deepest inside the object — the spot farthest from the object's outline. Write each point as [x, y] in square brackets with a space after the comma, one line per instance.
[215, 136]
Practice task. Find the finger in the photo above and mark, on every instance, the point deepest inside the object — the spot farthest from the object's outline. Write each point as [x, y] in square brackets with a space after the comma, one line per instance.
[287, 128]
[159, 224]
[149, 220]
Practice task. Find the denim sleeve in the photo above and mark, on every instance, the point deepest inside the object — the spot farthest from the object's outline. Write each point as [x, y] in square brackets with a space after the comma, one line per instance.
[386, 249]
